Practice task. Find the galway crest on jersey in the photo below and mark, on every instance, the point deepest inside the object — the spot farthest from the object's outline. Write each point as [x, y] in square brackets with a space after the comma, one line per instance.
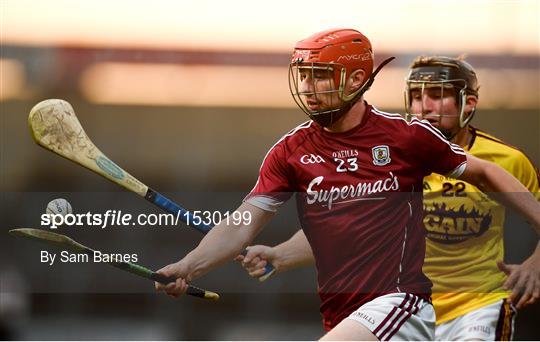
[381, 155]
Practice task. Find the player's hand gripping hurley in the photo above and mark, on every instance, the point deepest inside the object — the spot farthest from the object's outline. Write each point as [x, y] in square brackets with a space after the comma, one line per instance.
[63, 241]
[55, 126]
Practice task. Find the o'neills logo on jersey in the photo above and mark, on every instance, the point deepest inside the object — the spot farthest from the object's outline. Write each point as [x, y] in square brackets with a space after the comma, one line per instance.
[345, 154]
[348, 193]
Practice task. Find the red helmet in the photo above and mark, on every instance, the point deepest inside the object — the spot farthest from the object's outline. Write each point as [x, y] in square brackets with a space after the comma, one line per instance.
[347, 47]
[338, 52]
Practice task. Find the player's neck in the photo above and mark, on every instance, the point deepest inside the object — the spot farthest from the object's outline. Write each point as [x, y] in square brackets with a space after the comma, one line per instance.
[463, 137]
[350, 120]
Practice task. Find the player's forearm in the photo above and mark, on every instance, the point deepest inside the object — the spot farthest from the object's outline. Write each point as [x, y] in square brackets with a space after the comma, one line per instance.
[293, 253]
[224, 242]
[535, 256]
[220, 245]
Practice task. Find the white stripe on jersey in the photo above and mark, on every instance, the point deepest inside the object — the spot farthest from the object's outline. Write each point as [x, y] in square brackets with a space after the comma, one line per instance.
[427, 125]
[265, 203]
[403, 248]
[303, 125]
[458, 171]
[416, 120]
[424, 123]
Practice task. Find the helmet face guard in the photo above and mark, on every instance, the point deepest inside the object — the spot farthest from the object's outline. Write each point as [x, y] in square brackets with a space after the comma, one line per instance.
[327, 60]
[442, 73]
[458, 86]
[322, 98]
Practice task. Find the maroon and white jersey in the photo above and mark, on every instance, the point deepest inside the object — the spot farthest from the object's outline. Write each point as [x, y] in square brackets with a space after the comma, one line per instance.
[359, 200]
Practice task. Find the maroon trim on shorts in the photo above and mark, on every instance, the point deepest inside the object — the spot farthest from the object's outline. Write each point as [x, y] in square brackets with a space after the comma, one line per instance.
[400, 314]
[391, 314]
[414, 311]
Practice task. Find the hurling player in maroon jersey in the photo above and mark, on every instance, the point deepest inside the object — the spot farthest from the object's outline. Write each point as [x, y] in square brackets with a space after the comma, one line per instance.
[445, 91]
[356, 174]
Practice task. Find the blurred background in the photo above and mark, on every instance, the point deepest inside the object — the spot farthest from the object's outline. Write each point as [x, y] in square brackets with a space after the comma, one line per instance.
[188, 96]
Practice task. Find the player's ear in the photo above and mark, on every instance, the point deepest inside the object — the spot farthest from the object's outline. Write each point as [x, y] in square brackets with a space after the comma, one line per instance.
[356, 80]
[471, 102]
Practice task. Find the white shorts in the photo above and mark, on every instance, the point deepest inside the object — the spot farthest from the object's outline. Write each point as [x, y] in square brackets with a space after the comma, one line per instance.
[397, 317]
[494, 322]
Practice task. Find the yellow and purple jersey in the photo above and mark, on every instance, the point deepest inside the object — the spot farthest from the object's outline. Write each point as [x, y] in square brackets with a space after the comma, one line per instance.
[465, 231]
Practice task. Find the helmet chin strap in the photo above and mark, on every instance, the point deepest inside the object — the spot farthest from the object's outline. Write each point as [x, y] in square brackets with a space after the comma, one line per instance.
[365, 87]
[327, 118]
